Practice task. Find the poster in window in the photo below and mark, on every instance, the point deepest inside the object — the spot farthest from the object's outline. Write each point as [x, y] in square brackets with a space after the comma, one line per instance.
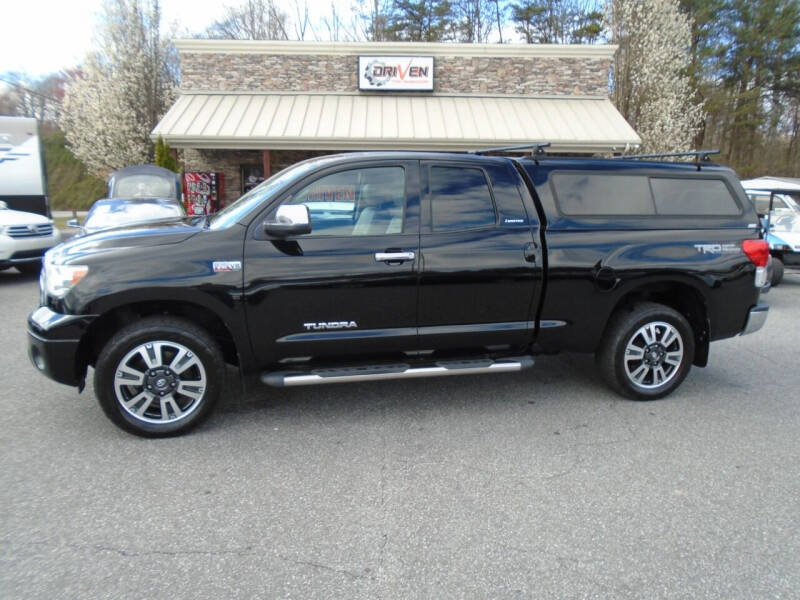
[251, 176]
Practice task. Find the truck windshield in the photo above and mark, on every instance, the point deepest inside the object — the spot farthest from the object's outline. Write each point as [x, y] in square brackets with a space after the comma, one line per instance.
[254, 198]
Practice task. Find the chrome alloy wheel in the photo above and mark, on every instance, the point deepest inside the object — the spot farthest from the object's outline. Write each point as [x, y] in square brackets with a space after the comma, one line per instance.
[160, 382]
[653, 355]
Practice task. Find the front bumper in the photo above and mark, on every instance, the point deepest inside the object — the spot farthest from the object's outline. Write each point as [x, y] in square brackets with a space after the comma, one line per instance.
[54, 344]
[23, 257]
[756, 318]
[23, 250]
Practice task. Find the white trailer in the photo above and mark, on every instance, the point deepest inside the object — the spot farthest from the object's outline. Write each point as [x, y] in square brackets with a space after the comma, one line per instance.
[23, 181]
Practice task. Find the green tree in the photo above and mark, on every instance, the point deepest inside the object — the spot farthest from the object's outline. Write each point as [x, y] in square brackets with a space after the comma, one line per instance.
[760, 72]
[70, 186]
[557, 21]
[537, 21]
[164, 157]
[745, 68]
[421, 21]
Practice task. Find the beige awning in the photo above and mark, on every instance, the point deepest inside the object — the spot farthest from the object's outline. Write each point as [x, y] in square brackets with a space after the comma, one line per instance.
[342, 121]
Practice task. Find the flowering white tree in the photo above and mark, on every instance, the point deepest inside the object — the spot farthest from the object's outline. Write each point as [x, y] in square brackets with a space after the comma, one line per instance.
[123, 88]
[650, 82]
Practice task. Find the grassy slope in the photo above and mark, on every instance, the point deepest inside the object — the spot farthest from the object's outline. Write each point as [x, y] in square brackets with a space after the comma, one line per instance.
[69, 185]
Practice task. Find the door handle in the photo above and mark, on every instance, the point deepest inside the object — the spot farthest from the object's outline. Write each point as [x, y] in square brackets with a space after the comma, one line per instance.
[394, 256]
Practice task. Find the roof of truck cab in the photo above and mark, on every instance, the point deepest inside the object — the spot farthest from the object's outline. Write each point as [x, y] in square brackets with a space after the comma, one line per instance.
[548, 162]
[407, 155]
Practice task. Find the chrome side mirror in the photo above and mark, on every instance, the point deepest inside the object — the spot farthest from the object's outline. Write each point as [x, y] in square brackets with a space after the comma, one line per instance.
[73, 223]
[289, 219]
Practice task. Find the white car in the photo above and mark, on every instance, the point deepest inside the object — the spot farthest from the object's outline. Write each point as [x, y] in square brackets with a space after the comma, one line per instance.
[24, 238]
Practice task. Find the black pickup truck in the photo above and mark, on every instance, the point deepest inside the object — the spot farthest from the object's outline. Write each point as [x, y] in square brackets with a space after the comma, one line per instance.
[371, 266]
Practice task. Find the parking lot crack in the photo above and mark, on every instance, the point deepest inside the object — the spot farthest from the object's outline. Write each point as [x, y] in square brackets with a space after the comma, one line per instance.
[245, 551]
[242, 551]
[316, 565]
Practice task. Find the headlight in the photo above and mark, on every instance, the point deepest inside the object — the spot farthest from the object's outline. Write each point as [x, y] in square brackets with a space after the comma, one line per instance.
[57, 280]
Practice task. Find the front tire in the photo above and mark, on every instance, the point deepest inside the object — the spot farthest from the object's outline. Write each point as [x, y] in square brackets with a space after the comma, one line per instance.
[647, 352]
[160, 376]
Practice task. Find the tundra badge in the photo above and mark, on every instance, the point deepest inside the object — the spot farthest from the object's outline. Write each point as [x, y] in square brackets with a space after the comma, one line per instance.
[330, 325]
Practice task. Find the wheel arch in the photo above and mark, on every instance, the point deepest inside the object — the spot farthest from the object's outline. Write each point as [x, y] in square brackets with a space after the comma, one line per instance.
[680, 296]
[112, 320]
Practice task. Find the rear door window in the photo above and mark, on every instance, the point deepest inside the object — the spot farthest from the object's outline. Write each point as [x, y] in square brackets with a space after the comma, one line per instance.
[460, 199]
[693, 196]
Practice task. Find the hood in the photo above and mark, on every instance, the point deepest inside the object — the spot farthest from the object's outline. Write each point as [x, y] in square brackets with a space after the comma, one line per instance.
[18, 217]
[89, 230]
[133, 236]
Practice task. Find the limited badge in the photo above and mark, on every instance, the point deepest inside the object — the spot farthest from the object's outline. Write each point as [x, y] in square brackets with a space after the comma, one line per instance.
[221, 266]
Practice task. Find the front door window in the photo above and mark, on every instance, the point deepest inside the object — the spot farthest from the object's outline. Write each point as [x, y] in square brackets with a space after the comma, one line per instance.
[366, 201]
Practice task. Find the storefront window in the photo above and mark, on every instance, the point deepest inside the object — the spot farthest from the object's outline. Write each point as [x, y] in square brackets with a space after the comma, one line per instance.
[252, 175]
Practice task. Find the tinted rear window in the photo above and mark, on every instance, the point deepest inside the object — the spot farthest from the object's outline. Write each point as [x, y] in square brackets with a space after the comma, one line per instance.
[692, 197]
[602, 194]
[144, 186]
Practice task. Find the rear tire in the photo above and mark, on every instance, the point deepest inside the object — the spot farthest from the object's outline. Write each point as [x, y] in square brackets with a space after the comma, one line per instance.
[160, 376]
[647, 351]
[777, 271]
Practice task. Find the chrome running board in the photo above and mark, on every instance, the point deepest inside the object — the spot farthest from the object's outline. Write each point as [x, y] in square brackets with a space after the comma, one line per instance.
[395, 371]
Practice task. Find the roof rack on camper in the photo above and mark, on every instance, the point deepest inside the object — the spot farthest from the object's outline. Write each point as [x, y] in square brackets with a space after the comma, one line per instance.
[700, 155]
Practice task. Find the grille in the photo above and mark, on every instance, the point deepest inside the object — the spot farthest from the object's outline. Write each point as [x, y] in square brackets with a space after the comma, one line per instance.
[24, 231]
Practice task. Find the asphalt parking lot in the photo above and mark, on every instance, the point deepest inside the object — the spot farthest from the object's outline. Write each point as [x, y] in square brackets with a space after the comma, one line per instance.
[539, 484]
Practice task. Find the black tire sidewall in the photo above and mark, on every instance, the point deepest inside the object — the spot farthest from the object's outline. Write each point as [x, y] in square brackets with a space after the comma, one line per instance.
[152, 329]
[777, 271]
[625, 328]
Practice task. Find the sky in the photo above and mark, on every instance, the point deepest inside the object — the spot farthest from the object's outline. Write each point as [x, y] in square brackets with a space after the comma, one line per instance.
[39, 37]
[43, 36]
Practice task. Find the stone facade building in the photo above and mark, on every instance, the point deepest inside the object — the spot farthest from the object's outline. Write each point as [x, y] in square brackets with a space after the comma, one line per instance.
[248, 109]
